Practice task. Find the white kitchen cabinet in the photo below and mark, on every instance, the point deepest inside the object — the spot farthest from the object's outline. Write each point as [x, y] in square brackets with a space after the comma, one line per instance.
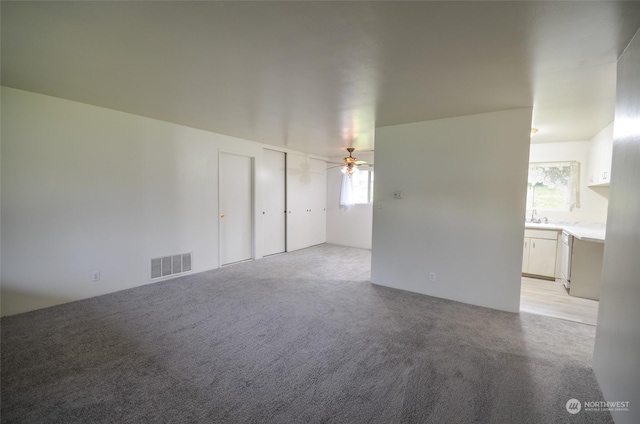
[601, 150]
[539, 253]
[306, 202]
[525, 255]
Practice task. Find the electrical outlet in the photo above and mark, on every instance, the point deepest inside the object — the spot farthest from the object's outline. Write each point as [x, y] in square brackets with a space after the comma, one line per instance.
[95, 276]
[432, 277]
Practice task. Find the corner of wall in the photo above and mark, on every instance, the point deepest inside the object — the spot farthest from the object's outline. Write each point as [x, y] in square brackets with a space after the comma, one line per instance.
[460, 217]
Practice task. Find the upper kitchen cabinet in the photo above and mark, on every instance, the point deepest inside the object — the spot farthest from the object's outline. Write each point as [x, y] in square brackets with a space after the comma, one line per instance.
[601, 150]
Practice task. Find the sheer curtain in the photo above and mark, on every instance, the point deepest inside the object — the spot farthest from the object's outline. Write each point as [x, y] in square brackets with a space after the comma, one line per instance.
[346, 192]
[573, 200]
[562, 175]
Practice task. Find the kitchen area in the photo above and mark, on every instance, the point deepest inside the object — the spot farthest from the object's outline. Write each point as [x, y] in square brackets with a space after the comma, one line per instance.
[565, 227]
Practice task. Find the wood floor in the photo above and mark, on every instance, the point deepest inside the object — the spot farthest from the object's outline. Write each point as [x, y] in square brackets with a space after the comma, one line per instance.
[544, 297]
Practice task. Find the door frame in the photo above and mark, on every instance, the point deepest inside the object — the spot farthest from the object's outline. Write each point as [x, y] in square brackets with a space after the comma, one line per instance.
[252, 166]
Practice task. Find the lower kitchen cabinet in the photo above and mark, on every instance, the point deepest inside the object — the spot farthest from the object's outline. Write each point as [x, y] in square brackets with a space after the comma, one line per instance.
[539, 253]
[586, 269]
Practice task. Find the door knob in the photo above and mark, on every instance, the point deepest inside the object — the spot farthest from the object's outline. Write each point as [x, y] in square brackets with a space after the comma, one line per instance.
[221, 215]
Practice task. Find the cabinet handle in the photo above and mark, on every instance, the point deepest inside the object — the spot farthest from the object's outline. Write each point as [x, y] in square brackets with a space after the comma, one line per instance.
[534, 244]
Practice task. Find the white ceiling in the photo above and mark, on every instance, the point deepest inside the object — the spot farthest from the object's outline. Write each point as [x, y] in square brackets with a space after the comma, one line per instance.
[319, 76]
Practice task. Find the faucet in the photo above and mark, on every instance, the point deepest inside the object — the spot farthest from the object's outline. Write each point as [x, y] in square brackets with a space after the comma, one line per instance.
[535, 220]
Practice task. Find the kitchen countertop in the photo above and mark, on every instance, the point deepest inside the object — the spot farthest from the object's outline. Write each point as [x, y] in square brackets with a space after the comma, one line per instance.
[586, 231]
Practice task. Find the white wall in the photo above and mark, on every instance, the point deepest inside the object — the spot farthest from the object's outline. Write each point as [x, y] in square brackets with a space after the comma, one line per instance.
[90, 189]
[593, 200]
[464, 183]
[347, 226]
[617, 346]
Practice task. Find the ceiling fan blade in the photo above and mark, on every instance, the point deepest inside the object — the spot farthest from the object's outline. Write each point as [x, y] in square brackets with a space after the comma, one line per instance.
[361, 162]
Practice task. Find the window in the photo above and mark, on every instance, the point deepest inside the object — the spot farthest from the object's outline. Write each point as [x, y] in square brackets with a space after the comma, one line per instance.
[362, 186]
[553, 186]
[357, 189]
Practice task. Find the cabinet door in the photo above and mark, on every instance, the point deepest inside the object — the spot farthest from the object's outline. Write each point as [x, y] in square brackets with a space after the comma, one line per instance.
[604, 168]
[525, 255]
[593, 170]
[542, 257]
[599, 170]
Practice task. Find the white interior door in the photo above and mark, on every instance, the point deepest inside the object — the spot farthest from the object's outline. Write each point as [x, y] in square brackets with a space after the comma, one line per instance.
[235, 208]
[273, 202]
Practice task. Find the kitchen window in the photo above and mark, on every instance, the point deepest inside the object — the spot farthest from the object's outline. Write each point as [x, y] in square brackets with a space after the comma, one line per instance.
[553, 186]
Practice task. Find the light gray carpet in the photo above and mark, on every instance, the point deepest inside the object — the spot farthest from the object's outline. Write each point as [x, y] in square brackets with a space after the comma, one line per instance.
[300, 337]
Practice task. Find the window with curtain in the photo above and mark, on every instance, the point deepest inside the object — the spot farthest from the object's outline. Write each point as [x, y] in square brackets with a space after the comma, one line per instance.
[357, 189]
[554, 185]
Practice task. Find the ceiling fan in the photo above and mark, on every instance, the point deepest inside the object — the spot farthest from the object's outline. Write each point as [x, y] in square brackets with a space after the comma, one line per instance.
[350, 163]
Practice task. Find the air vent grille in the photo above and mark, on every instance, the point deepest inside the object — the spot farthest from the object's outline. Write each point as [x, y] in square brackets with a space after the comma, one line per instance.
[170, 265]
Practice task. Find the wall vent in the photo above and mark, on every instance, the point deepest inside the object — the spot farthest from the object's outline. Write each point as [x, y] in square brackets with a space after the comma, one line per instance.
[170, 265]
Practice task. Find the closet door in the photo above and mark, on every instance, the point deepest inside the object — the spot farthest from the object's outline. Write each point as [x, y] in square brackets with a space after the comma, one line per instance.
[318, 202]
[235, 208]
[298, 186]
[306, 202]
[273, 202]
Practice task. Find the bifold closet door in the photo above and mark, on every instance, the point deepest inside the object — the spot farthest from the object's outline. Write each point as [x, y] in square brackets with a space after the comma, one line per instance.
[235, 208]
[273, 202]
[306, 201]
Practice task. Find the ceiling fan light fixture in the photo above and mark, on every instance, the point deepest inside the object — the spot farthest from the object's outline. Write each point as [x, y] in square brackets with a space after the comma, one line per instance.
[350, 163]
[350, 159]
[349, 169]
